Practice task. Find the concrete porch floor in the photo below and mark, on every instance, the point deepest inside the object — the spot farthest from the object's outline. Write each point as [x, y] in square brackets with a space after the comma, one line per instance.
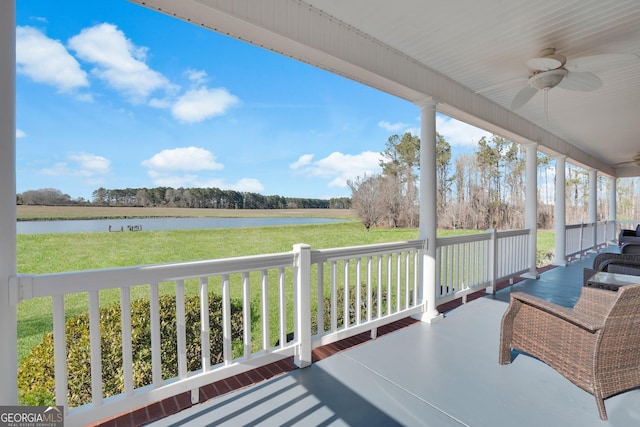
[443, 374]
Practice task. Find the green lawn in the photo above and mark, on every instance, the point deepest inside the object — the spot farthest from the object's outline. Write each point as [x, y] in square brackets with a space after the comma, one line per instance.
[50, 253]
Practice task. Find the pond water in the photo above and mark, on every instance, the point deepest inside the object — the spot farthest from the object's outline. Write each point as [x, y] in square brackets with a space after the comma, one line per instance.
[146, 224]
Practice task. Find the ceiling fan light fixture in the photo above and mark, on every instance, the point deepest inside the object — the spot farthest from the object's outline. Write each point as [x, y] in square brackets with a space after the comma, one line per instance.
[547, 79]
[547, 60]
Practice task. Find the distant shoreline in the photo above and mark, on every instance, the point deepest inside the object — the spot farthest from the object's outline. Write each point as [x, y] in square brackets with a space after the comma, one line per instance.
[44, 213]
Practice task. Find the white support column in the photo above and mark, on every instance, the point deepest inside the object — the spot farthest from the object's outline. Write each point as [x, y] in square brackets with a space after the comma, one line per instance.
[428, 212]
[593, 206]
[613, 208]
[531, 206]
[8, 320]
[560, 212]
[302, 321]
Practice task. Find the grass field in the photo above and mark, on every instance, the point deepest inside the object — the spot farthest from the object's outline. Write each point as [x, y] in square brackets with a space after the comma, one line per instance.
[51, 253]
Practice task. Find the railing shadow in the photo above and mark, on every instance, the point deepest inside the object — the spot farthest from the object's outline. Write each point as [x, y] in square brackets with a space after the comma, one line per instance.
[309, 396]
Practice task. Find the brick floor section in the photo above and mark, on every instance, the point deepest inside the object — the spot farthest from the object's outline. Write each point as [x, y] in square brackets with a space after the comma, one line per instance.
[175, 404]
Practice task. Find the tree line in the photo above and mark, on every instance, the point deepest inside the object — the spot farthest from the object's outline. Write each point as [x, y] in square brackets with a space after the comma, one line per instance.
[480, 190]
[213, 198]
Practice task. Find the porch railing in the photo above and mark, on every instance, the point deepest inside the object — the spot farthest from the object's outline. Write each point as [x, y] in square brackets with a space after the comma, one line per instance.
[466, 264]
[584, 237]
[289, 304]
[347, 291]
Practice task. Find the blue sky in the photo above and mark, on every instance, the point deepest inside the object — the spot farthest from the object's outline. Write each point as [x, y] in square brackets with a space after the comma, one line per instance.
[111, 94]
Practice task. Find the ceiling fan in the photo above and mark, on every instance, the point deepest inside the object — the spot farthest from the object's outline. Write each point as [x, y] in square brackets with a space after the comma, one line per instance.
[635, 161]
[550, 69]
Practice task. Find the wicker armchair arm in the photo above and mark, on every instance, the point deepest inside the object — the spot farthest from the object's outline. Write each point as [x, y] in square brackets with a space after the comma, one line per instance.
[588, 323]
[621, 266]
[605, 258]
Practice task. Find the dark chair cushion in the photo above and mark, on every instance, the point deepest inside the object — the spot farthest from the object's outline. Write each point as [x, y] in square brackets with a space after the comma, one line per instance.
[630, 248]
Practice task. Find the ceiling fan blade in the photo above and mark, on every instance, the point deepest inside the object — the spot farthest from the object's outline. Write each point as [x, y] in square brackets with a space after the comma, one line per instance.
[581, 81]
[635, 161]
[617, 165]
[595, 62]
[523, 97]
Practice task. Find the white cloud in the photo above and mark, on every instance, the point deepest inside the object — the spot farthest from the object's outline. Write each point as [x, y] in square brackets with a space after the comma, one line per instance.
[341, 167]
[183, 159]
[392, 127]
[179, 167]
[85, 165]
[249, 185]
[458, 133]
[188, 166]
[118, 61]
[198, 77]
[47, 61]
[304, 160]
[200, 104]
[122, 66]
[91, 164]
[159, 103]
[20, 133]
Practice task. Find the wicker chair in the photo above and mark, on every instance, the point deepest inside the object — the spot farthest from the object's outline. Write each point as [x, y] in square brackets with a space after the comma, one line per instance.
[617, 263]
[595, 345]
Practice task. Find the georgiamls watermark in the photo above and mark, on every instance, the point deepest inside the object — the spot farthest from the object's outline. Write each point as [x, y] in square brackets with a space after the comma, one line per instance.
[31, 416]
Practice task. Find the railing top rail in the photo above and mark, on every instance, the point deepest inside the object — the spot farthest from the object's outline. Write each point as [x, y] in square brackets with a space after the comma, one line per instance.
[512, 233]
[40, 285]
[44, 285]
[584, 224]
[466, 238]
[322, 255]
[479, 237]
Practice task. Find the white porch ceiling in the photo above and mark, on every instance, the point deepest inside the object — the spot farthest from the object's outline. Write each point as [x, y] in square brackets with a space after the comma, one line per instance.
[468, 54]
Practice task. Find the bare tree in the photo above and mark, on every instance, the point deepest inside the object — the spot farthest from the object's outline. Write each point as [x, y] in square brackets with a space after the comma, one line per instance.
[443, 168]
[366, 199]
[628, 203]
[392, 199]
[44, 196]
